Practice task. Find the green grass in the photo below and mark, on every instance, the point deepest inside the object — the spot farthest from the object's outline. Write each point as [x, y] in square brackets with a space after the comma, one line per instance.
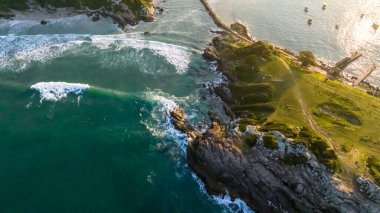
[270, 141]
[251, 140]
[13, 4]
[374, 168]
[268, 95]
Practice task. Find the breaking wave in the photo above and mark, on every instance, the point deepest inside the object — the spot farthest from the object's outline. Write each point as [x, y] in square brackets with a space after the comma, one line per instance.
[160, 125]
[55, 91]
[17, 53]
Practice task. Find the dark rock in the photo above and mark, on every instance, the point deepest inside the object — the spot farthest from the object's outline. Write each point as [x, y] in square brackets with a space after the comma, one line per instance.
[7, 15]
[51, 8]
[241, 29]
[260, 178]
[299, 188]
[43, 22]
[96, 17]
[210, 54]
[147, 33]
[219, 43]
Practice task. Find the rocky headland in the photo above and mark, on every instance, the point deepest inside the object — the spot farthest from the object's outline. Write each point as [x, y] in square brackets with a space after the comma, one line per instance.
[265, 164]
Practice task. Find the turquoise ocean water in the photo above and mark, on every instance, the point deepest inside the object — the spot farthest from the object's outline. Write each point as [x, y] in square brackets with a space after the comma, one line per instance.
[83, 105]
[83, 114]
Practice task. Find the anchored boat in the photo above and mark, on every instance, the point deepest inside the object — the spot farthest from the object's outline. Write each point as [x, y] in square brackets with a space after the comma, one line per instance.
[324, 6]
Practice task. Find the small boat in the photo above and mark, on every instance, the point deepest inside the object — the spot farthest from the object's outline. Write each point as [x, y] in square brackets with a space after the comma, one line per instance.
[337, 27]
[324, 6]
[306, 9]
[375, 26]
[310, 21]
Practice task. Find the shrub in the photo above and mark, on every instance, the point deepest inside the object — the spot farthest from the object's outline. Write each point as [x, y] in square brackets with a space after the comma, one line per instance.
[303, 141]
[307, 58]
[251, 140]
[324, 153]
[293, 159]
[374, 168]
[255, 98]
[283, 128]
[270, 141]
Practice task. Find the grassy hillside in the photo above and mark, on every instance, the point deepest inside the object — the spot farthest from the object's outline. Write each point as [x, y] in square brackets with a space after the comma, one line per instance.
[338, 123]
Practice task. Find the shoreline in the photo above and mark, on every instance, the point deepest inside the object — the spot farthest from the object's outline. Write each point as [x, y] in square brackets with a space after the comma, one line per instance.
[39, 14]
[241, 164]
[123, 17]
[278, 177]
[323, 67]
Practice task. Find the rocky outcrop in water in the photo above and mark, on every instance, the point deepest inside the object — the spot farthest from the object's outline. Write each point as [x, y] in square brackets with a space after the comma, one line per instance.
[259, 176]
[241, 29]
[6, 14]
[122, 12]
[288, 178]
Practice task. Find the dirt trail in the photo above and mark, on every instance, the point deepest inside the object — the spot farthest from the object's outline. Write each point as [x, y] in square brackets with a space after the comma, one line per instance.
[310, 119]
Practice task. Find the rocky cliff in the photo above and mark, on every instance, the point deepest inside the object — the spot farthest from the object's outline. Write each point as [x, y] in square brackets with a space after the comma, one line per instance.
[124, 12]
[282, 178]
[259, 176]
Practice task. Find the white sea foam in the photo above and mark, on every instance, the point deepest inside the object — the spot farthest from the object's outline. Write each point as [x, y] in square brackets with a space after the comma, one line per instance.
[160, 124]
[236, 206]
[18, 52]
[55, 91]
[176, 55]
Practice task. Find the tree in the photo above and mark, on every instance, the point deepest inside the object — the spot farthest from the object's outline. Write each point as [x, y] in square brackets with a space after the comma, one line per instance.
[307, 58]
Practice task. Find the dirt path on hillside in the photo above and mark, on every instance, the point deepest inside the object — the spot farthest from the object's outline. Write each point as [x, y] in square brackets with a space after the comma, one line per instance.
[306, 113]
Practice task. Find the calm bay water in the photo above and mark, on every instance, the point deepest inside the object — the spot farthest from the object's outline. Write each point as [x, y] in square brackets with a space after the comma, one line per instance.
[284, 23]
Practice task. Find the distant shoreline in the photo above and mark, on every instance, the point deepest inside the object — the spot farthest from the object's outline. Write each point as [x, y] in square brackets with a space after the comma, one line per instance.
[323, 67]
[121, 13]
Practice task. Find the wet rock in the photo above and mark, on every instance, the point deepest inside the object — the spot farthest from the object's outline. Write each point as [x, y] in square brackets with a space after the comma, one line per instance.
[7, 15]
[160, 10]
[147, 33]
[43, 22]
[260, 178]
[96, 17]
[210, 54]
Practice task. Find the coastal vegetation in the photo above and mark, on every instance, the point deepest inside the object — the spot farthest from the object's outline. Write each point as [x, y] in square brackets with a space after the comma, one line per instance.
[275, 91]
[251, 140]
[270, 141]
[77, 4]
[307, 58]
[374, 168]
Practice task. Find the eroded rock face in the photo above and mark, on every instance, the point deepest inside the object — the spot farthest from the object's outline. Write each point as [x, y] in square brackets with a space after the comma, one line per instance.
[369, 188]
[259, 176]
[241, 30]
[7, 15]
[210, 54]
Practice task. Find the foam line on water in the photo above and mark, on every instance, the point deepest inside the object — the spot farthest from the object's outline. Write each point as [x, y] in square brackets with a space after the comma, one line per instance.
[55, 91]
[18, 52]
[174, 54]
[160, 125]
